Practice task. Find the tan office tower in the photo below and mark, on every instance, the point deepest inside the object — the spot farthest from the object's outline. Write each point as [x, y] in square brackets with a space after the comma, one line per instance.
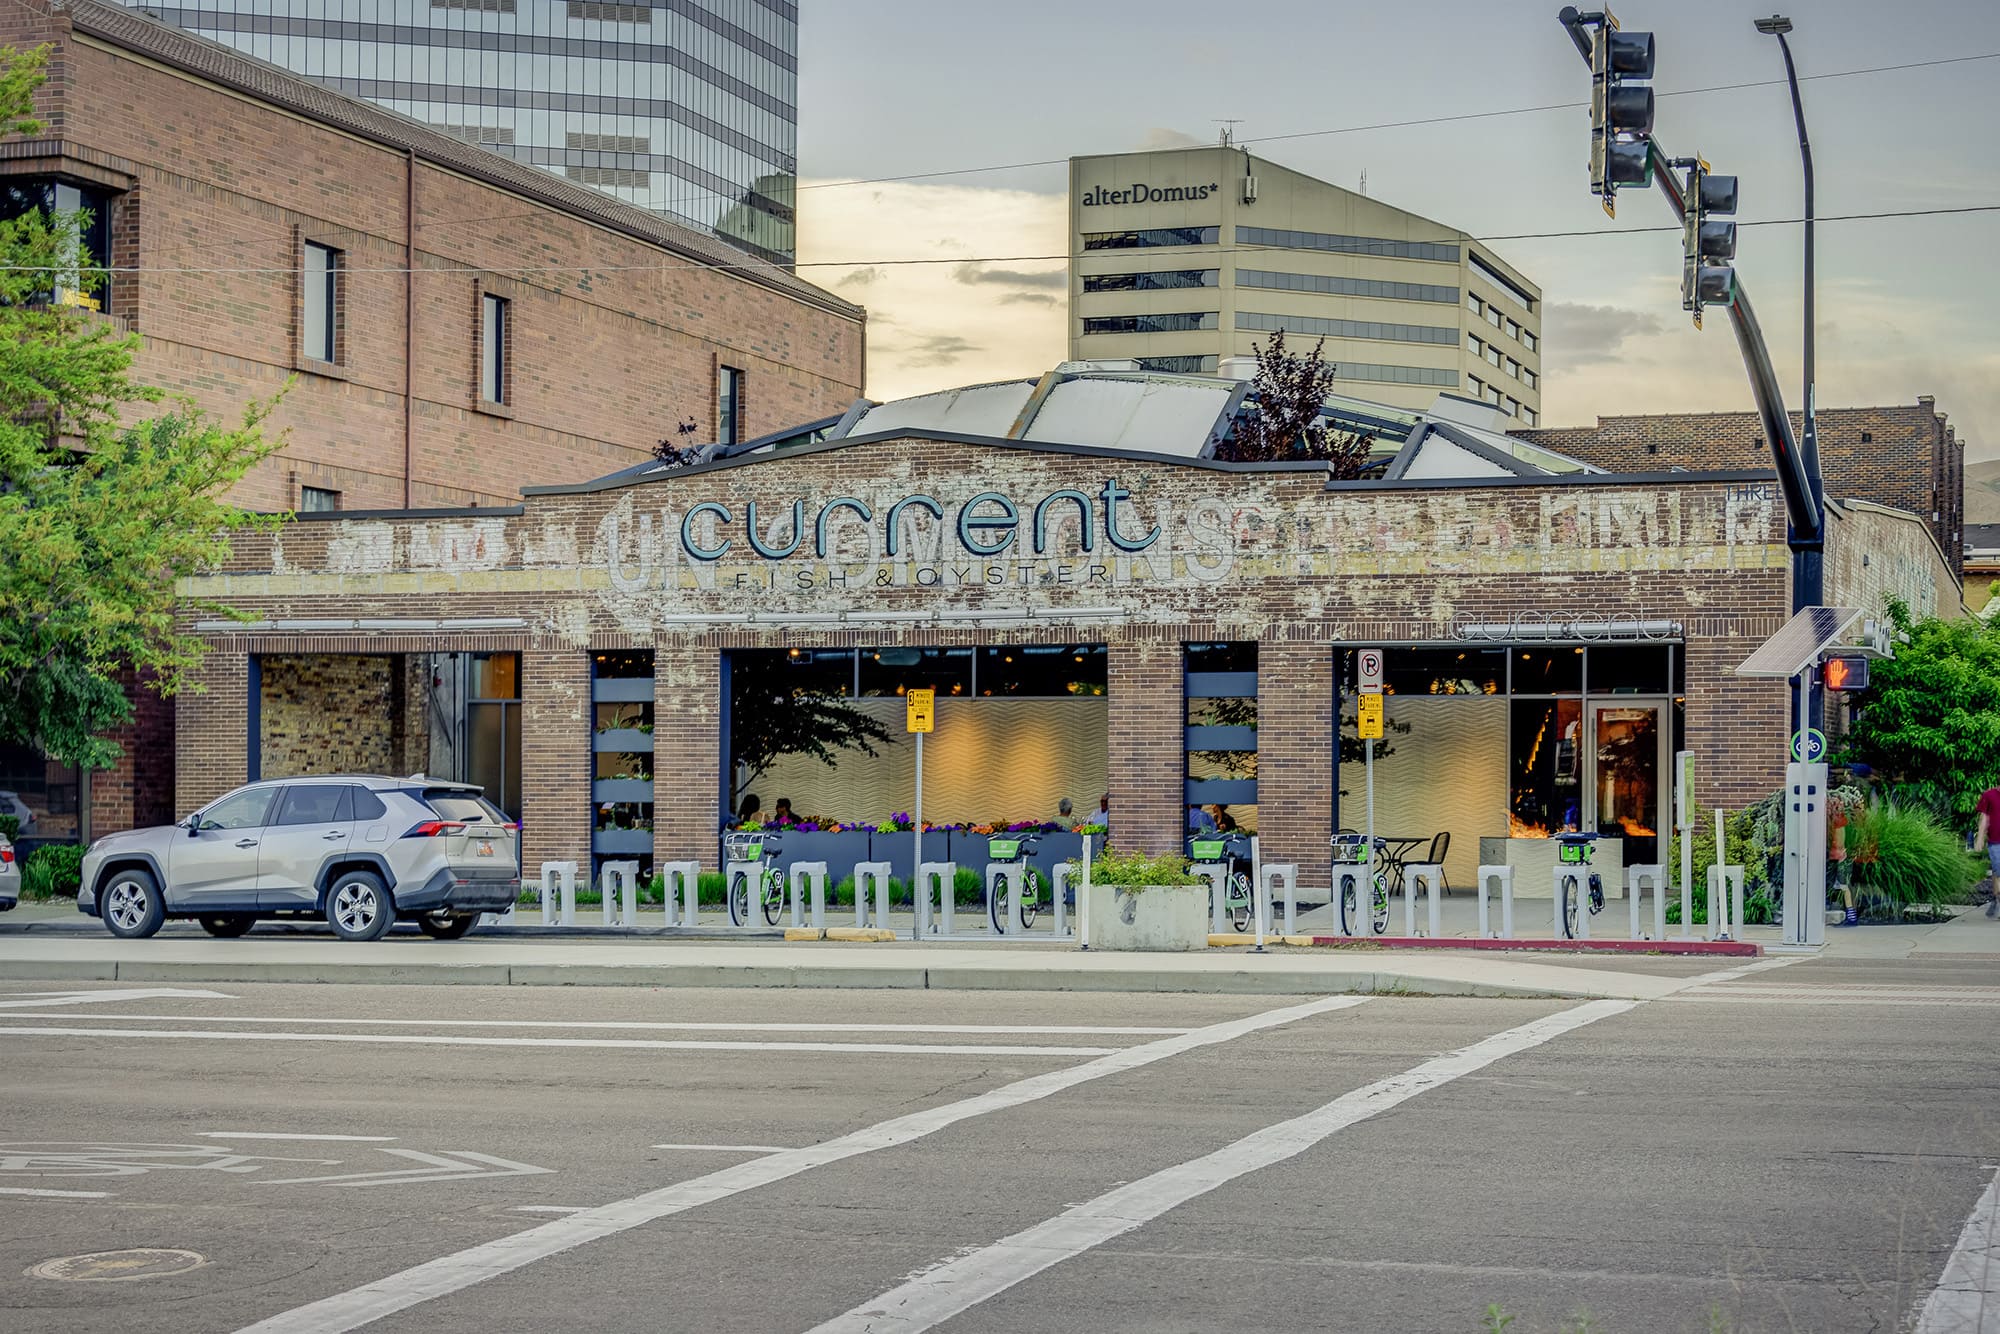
[1182, 258]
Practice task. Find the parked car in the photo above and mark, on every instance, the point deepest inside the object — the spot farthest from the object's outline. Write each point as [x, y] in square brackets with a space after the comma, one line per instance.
[10, 875]
[357, 850]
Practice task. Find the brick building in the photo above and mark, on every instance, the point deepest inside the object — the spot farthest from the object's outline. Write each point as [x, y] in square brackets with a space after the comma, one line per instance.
[1102, 606]
[453, 325]
[1909, 458]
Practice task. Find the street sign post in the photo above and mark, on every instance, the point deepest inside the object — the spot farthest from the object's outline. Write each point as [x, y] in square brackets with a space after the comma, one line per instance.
[1369, 720]
[1809, 746]
[919, 717]
[1368, 726]
[1368, 671]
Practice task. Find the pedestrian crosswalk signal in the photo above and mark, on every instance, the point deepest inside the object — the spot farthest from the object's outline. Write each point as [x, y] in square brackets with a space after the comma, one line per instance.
[1844, 674]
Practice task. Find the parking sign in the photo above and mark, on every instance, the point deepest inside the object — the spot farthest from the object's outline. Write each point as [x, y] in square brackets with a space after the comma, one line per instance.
[1368, 670]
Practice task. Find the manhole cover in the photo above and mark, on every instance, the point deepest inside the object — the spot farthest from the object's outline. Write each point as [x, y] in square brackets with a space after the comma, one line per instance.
[118, 1266]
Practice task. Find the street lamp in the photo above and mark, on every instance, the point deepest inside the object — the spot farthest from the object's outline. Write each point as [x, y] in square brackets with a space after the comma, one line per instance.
[1777, 26]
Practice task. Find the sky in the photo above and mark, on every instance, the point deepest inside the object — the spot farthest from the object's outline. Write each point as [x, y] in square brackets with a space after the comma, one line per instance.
[925, 89]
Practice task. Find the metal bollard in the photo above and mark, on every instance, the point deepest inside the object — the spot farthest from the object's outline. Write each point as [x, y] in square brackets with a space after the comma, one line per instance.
[1727, 924]
[809, 875]
[1289, 873]
[1505, 875]
[682, 879]
[945, 875]
[621, 907]
[562, 892]
[1432, 875]
[1217, 875]
[877, 875]
[1656, 876]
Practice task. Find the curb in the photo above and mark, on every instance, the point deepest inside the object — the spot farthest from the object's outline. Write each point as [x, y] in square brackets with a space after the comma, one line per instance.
[1733, 949]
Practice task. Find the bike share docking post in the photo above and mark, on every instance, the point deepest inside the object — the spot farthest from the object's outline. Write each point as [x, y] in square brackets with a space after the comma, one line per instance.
[1208, 862]
[1351, 866]
[945, 876]
[1505, 875]
[617, 890]
[809, 876]
[1272, 873]
[1259, 903]
[1432, 876]
[1011, 870]
[559, 883]
[1655, 877]
[865, 875]
[1083, 899]
[682, 879]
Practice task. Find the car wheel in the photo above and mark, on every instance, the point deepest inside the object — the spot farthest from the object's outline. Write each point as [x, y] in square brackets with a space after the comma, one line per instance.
[227, 926]
[131, 905]
[443, 926]
[358, 906]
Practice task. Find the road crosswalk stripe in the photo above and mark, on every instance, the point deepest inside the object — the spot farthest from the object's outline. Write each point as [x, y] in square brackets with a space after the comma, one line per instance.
[618, 1044]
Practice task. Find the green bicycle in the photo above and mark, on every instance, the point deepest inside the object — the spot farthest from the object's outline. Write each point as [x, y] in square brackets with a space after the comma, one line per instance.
[770, 881]
[1029, 880]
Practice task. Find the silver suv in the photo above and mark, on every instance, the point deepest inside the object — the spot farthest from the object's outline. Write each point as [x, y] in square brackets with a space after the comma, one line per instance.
[10, 875]
[358, 851]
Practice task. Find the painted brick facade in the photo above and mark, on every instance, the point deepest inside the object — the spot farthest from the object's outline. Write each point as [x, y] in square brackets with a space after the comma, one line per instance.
[556, 759]
[1148, 714]
[332, 714]
[1295, 720]
[1908, 458]
[211, 730]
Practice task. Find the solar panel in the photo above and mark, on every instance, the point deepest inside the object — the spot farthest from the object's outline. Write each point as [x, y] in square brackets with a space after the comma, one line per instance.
[1799, 642]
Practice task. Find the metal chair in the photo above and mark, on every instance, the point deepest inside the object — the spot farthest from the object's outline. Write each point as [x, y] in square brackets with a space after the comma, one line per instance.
[1439, 847]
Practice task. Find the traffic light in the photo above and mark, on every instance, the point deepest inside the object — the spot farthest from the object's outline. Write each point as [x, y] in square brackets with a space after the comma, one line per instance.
[1621, 110]
[1707, 245]
[1844, 674]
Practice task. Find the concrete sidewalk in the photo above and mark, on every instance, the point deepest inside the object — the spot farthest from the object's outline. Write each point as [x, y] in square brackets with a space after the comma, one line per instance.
[902, 965]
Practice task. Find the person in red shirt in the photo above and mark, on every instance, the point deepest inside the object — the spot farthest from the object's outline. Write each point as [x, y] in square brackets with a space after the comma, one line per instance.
[1988, 815]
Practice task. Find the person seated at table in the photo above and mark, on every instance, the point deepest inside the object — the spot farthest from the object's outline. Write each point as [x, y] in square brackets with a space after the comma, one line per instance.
[1200, 821]
[1225, 823]
[750, 808]
[1065, 815]
[783, 814]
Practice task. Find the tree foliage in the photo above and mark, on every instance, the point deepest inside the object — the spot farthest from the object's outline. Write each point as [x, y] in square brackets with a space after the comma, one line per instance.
[1282, 421]
[98, 516]
[770, 716]
[1930, 719]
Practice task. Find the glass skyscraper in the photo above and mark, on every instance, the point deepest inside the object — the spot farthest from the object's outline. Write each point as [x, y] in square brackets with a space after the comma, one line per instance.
[685, 107]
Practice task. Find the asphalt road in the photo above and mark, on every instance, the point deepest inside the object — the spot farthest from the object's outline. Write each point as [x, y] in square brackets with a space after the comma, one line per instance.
[1794, 1148]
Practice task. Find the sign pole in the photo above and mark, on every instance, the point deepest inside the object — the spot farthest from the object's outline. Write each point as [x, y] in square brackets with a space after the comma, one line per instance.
[1368, 725]
[917, 821]
[919, 717]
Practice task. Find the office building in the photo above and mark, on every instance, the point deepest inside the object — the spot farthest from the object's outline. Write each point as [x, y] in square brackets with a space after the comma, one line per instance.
[1184, 258]
[688, 108]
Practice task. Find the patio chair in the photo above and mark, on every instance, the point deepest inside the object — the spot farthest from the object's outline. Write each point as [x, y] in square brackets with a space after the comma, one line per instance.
[1440, 846]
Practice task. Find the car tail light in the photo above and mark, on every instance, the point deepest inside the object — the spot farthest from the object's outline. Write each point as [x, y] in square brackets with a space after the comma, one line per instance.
[432, 828]
[6, 855]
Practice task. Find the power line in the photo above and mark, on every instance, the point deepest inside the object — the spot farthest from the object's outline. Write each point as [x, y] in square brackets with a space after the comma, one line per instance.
[912, 262]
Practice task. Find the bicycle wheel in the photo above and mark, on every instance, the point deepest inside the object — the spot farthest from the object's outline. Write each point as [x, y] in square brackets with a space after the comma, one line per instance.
[773, 897]
[1596, 894]
[1239, 900]
[1380, 915]
[1003, 898]
[1031, 898]
[1569, 907]
[739, 900]
[1350, 913]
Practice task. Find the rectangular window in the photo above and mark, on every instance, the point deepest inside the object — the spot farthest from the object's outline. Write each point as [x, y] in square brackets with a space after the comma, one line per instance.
[1316, 282]
[1186, 365]
[728, 406]
[1474, 304]
[1474, 346]
[1513, 329]
[1158, 281]
[1513, 368]
[1313, 325]
[1347, 245]
[318, 500]
[1478, 386]
[1529, 341]
[1492, 356]
[1530, 416]
[322, 302]
[1147, 238]
[1529, 378]
[1501, 281]
[1176, 323]
[1512, 408]
[1493, 317]
[493, 313]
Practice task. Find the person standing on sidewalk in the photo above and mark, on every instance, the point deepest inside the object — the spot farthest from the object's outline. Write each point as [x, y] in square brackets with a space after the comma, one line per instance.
[1987, 815]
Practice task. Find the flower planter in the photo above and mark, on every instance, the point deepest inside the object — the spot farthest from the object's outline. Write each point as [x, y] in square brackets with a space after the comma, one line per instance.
[628, 842]
[1151, 917]
[634, 790]
[623, 741]
[838, 849]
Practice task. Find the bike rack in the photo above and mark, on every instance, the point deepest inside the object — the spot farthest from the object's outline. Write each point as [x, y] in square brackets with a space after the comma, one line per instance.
[1068, 876]
[1505, 875]
[1355, 874]
[684, 879]
[1730, 927]
[865, 875]
[944, 875]
[563, 889]
[1432, 875]
[1635, 878]
[621, 909]
[1271, 874]
[1012, 873]
[1581, 872]
[809, 875]
[1217, 875]
[753, 873]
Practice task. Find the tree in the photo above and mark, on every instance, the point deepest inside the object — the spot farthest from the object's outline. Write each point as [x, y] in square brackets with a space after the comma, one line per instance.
[1930, 719]
[1282, 420]
[770, 716]
[98, 518]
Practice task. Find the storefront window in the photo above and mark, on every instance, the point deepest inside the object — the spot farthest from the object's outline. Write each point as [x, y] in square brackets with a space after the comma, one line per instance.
[1444, 671]
[895, 671]
[1628, 669]
[1548, 671]
[820, 671]
[1053, 670]
[621, 664]
[1546, 768]
[493, 729]
[39, 794]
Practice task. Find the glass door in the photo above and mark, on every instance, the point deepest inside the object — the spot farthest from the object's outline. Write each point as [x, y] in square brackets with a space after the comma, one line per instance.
[1628, 749]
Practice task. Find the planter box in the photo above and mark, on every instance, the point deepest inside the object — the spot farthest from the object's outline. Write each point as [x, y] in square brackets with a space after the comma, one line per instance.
[626, 842]
[1155, 917]
[623, 741]
[838, 850]
[639, 790]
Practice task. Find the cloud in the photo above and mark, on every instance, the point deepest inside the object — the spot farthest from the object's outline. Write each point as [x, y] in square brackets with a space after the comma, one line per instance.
[979, 273]
[1578, 335]
[937, 350]
[1160, 137]
[866, 277]
[1028, 299]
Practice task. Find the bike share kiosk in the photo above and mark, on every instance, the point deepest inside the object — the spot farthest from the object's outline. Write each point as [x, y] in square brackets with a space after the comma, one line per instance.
[1574, 878]
[1207, 860]
[750, 880]
[1013, 890]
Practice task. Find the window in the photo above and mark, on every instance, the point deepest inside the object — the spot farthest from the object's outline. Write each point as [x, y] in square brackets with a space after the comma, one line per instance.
[1867, 437]
[1177, 323]
[1349, 245]
[1512, 408]
[83, 215]
[1492, 355]
[1501, 281]
[1385, 374]
[1478, 386]
[1474, 304]
[493, 728]
[1474, 346]
[493, 312]
[728, 406]
[1149, 237]
[1528, 340]
[1513, 329]
[316, 803]
[318, 500]
[322, 303]
[1157, 281]
[1309, 324]
[367, 806]
[1493, 395]
[1493, 317]
[1530, 416]
[241, 810]
[1186, 365]
[1513, 368]
[1314, 282]
[1529, 378]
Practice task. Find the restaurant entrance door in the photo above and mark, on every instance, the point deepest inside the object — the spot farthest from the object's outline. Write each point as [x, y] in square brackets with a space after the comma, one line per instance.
[1628, 743]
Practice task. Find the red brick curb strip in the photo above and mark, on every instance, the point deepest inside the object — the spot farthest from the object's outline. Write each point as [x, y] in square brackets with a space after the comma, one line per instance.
[1730, 948]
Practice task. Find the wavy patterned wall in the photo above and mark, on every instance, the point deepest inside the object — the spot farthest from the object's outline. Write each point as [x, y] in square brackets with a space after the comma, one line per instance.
[989, 759]
[1448, 772]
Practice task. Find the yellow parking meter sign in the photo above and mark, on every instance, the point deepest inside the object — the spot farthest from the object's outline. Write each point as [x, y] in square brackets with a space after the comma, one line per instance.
[1369, 720]
[918, 709]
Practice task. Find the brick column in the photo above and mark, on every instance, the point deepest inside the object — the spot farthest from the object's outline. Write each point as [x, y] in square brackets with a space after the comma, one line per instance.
[687, 759]
[1148, 757]
[1736, 726]
[1296, 767]
[555, 760]
[212, 730]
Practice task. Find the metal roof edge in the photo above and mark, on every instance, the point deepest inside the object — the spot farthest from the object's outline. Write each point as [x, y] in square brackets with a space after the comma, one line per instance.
[1558, 479]
[1480, 449]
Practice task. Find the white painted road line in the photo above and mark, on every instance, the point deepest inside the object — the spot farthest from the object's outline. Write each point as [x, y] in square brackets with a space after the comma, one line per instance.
[44, 1000]
[57, 1194]
[722, 1148]
[453, 1273]
[1731, 974]
[938, 1294]
[1966, 1299]
[436, 1167]
[550, 1208]
[620, 1044]
[639, 1026]
[273, 1134]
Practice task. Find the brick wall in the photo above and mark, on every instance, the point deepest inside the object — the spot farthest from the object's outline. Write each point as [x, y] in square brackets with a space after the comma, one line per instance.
[332, 714]
[687, 688]
[1295, 711]
[1148, 758]
[1909, 458]
[212, 730]
[138, 790]
[556, 759]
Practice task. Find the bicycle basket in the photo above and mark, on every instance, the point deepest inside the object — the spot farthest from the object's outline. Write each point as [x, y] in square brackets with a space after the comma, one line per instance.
[743, 847]
[1349, 849]
[1205, 849]
[1574, 849]
[1003, 849]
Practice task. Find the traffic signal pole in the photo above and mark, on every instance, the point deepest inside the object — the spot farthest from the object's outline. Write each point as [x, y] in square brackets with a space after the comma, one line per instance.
[1798, 471]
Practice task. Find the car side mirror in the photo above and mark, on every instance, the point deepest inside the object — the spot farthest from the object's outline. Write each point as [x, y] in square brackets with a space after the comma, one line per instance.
[193, 825]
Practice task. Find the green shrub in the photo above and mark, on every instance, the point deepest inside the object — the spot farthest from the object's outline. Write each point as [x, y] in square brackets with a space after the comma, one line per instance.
[1901, 857]
[54, 870]
[1136, 870]
[10, 827]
